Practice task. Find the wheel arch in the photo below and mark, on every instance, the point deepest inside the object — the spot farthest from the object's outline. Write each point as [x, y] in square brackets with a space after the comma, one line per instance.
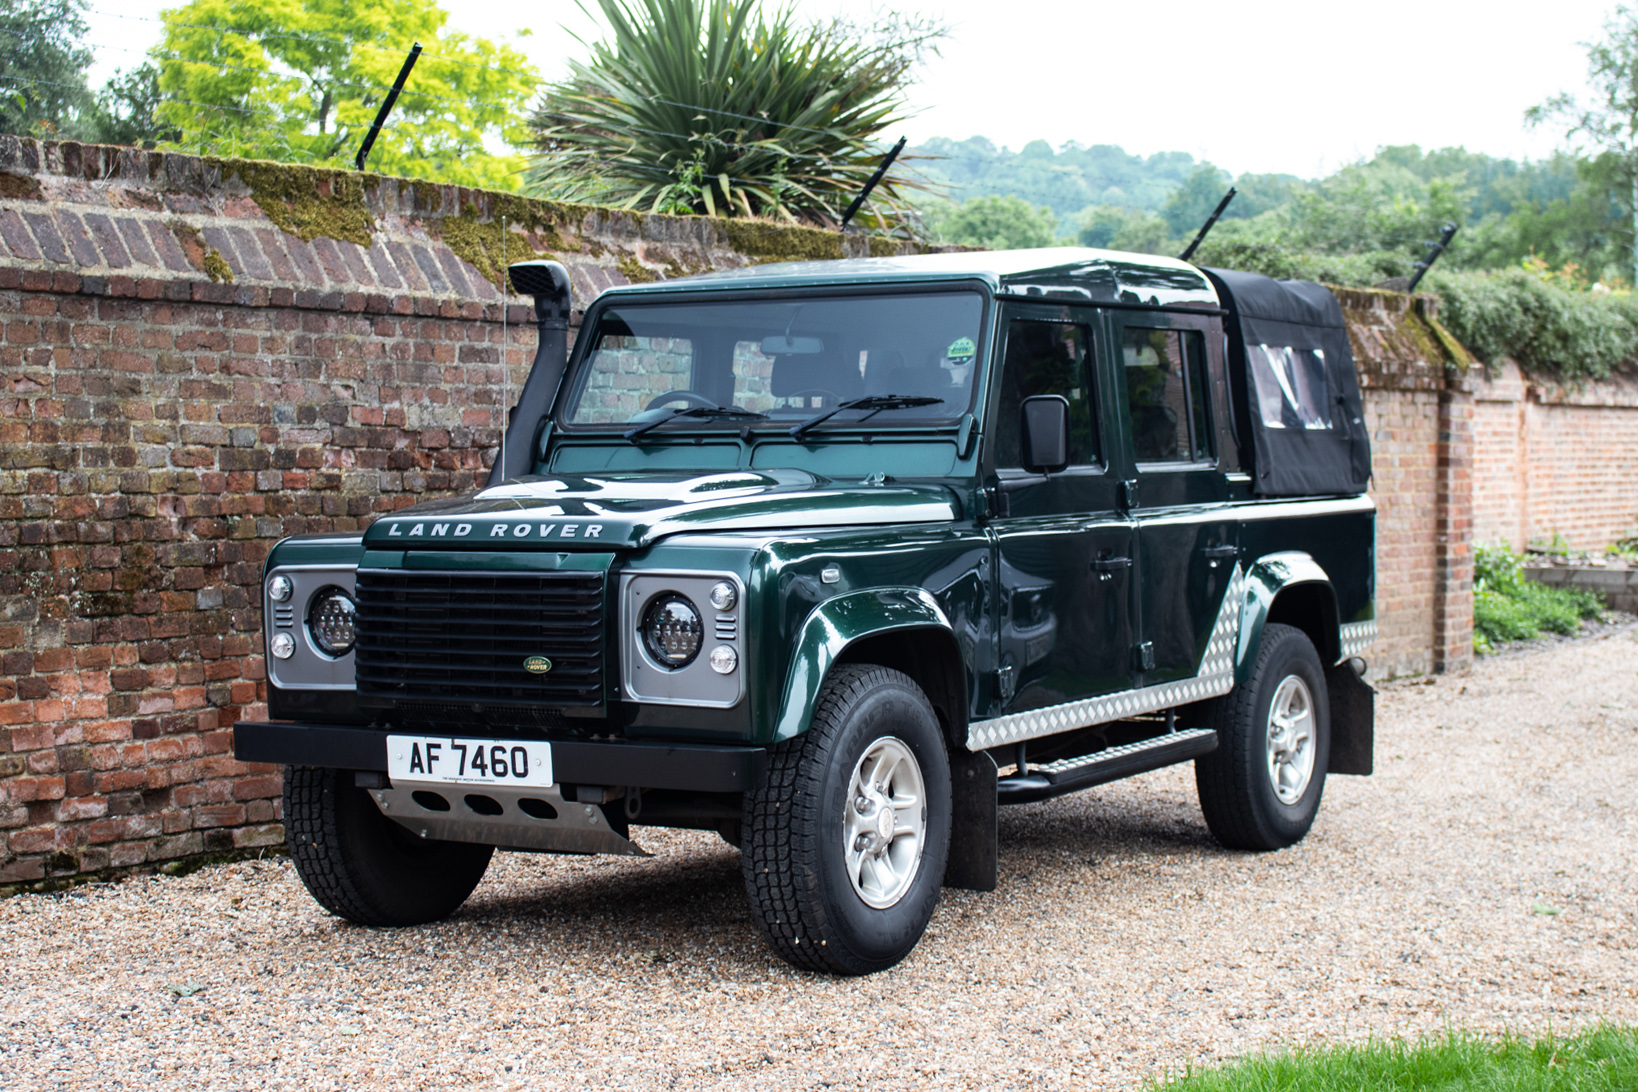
[1293, 589]
[901, 628]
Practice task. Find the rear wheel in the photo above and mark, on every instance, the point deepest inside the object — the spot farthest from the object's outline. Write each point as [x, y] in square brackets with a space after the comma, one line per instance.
[845, 844]
[363, 866]
[1261, 788]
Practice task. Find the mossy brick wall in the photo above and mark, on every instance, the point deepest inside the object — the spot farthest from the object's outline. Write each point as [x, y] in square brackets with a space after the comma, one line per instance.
[197, 358]
[1415, 381]
[1555, 461]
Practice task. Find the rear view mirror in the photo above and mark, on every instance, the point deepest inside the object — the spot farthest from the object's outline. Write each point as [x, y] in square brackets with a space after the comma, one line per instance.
[792, 346]
[1045, 421]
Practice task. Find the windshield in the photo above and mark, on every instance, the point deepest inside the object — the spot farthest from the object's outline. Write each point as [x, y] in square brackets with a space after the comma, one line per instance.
[787, 359]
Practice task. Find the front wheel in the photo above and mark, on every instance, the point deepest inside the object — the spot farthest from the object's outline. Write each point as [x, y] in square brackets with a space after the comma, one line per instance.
[845, 844]
[364, 867]
[1261, 788]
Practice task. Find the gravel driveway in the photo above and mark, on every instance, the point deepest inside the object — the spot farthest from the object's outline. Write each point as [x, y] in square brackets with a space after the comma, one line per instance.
[1487, 876]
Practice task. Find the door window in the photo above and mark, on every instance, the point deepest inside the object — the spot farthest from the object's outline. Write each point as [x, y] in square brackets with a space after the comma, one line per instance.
[1046, 358]
[1166, 394]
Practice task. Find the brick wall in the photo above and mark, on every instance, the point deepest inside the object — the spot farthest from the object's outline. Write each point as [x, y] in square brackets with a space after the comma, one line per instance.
[1555, 460]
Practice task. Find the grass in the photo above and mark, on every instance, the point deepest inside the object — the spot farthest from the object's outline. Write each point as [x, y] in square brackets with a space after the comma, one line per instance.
[1602, 1060]
[1509, 607]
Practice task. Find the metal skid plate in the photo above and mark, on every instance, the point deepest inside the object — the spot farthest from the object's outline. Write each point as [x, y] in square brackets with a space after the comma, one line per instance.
[578, 828]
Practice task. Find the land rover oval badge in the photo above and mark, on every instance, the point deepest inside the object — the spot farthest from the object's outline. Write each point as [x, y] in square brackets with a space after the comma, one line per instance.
[537, 665]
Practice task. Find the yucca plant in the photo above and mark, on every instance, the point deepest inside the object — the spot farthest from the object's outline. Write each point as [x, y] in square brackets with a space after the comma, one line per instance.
[711, 106]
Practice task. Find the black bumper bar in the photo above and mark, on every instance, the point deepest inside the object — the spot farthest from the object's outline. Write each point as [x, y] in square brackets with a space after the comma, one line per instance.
[699, 767]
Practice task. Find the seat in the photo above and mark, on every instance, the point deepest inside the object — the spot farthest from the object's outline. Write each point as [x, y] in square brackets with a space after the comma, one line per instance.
[827, 377]
[887, 372]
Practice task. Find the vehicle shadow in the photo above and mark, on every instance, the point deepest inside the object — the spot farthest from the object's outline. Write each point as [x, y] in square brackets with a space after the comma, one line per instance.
[691, 895]
[688, 903]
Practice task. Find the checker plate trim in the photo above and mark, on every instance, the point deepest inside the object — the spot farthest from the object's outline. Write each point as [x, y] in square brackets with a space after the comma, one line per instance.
[1215, 677]
[1356, 637]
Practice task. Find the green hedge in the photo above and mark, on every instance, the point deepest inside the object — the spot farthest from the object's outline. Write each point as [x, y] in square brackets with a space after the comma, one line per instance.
[1549, 328]
[1549, 325]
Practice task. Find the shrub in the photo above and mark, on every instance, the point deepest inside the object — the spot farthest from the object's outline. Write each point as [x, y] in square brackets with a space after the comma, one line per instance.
[1508, 606]
[721, 108]
[1552, 324]
[1548, 327]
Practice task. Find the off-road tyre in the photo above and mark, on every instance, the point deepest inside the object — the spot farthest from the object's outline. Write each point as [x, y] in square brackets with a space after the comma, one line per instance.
[362, 866]
[794, 828]
[1237, 793]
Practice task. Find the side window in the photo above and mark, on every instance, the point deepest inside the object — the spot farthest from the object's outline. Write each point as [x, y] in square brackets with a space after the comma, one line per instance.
[1046, 358]
[1166, 394]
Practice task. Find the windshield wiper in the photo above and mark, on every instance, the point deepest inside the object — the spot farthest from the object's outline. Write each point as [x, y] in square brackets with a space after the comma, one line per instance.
[637, 433]
[875, 403]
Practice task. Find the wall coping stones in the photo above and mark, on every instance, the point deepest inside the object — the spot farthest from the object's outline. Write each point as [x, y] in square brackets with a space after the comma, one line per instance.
[114, 215]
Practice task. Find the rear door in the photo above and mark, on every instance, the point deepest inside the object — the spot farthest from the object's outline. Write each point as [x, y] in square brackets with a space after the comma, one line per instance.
[1064, 551]
[1169, 369]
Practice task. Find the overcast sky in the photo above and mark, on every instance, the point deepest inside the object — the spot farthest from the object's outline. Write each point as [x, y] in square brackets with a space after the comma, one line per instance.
[1257, 85]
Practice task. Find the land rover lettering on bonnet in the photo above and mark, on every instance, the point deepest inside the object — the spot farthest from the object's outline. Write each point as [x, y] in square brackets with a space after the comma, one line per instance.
[835, 559]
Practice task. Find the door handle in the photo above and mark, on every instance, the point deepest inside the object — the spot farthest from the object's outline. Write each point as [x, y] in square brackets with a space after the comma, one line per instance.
[1111, 564]
[1220, 551]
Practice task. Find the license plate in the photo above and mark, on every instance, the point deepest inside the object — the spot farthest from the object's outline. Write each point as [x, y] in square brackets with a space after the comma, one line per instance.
[469, 761]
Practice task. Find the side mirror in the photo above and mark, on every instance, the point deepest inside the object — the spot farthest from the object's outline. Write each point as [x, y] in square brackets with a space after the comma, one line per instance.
[1045, 421]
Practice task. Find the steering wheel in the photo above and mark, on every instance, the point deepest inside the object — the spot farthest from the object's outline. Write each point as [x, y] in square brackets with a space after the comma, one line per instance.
[689, 397]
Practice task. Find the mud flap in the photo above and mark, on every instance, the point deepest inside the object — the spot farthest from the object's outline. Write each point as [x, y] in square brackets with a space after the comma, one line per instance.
[1353, 718]
[973, 850]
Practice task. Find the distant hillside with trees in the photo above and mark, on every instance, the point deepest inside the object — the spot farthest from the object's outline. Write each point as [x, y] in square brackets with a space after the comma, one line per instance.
[1378, 214]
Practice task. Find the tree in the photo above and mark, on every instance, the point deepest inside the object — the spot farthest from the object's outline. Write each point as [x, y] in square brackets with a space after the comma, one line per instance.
[1112, 227]
[1189, 205]
[1610, 121]
[301, 80]
[42, 66]
[126, 111]
[711, 106]
[995, 223]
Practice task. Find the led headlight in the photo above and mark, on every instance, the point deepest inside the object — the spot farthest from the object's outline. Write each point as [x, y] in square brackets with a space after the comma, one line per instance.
[330, 621]
[671, 630]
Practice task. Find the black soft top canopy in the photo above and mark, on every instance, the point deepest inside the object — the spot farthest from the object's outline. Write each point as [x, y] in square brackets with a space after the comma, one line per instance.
[1296, 397]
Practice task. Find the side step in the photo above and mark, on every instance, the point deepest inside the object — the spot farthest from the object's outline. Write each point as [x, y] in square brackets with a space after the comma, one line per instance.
[1073, 774]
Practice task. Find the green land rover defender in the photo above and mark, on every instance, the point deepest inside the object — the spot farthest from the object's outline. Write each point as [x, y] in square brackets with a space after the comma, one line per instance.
[834, 558]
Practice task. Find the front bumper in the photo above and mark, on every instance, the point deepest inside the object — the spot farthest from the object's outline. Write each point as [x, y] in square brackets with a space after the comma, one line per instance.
[689, 766]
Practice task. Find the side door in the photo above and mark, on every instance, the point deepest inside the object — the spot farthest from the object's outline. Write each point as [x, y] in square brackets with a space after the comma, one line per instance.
[1170, 382]
[1064, 553]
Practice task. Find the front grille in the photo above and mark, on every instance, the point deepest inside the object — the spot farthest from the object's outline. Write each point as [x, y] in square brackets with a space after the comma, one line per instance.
[446, 640]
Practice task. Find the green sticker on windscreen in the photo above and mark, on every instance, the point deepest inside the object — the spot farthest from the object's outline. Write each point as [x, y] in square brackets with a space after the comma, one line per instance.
[961, 350]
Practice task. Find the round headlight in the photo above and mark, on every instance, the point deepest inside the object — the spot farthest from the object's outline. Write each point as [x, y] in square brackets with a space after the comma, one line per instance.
[723, 596]
[330, 621]
[283, 646]
[279, 589]
[671, 630]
